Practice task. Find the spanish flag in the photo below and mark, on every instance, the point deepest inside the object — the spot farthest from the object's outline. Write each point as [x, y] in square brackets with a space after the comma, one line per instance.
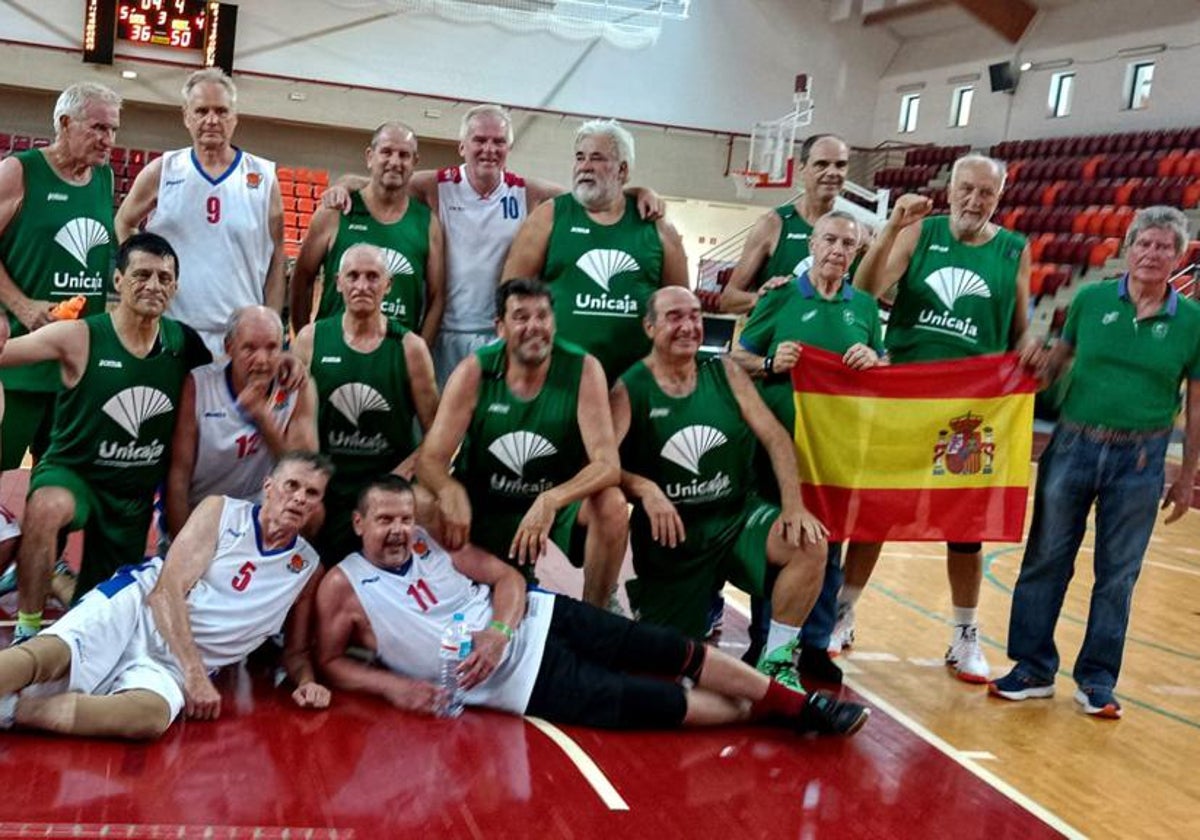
[936, 451]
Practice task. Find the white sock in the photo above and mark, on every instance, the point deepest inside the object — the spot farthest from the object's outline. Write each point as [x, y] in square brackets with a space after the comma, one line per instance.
[849, 595]
[780, 634]
[8, 710]
[966, 616]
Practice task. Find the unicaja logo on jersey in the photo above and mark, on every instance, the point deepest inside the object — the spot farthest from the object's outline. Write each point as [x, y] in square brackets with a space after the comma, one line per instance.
[514, 450]
[685, 448]
[397, 263]
[129, 409]
[351, 401]
[78, 237]
[951, 284]
[602, 265]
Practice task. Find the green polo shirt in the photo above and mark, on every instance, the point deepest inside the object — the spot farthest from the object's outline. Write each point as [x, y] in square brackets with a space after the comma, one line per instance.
[797, 312]
[1127, 372]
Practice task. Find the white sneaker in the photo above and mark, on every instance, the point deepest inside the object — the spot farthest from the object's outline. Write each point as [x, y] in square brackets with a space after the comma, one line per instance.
[966, 657]
[842, 637]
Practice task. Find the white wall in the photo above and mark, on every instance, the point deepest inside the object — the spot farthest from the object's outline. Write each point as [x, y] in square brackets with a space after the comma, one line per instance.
[1090, 34]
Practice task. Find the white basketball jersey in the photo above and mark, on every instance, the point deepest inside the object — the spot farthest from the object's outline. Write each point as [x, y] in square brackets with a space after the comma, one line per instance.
[409, 609]
[479, 230]
[231, 457]
[246, 593]
[219, 228]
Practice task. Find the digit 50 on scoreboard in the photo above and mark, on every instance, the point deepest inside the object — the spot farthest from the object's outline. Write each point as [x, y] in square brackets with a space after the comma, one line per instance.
[165, 23]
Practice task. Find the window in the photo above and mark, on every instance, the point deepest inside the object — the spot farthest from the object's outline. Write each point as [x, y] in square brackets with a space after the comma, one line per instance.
[960, 106]
[1137, 85]
[910, 103]
[1062, 90]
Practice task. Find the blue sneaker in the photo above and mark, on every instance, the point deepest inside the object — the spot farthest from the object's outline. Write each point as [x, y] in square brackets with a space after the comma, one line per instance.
[1098, 702]
[1017, 685]
[716, 616]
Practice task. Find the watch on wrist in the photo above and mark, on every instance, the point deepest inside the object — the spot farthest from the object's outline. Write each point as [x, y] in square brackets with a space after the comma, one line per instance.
[768, 365]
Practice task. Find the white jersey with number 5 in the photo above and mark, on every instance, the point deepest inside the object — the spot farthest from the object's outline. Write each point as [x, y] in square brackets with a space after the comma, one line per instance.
[219, 228]
[247, 591]
[410, 607]
[231, 457]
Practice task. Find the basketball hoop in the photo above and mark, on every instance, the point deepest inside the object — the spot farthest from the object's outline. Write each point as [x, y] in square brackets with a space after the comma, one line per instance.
[746, 181]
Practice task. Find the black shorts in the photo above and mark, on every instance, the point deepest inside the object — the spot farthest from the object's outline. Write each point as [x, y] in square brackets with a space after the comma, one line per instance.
[964, 547]
[602, 670]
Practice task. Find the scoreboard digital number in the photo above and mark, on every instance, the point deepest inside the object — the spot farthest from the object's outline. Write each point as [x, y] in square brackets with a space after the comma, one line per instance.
[182, 24]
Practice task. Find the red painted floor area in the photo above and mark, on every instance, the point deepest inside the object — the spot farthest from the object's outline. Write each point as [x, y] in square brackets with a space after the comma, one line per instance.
[366, 769]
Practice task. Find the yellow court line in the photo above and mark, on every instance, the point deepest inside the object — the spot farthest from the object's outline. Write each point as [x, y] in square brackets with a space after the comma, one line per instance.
[584, 763]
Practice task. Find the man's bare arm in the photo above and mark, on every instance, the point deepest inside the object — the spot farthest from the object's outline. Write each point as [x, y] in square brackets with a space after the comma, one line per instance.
[140, 201]
[65, 342]
[450, 425]
[421, 379]
[1020, 321]
[889, 255]
[187, 560]
[299, 647]
[301, 433]
[1179, 494]
[183, 458]
[527, 255]
[674, 269]
[318, 239]
[275, 284]
[30, 313]
[757, 249]
[435, 283]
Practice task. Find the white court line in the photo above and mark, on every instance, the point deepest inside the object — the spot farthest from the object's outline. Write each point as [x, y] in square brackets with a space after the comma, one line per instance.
[872, 656]
[977, 755]
[958, 757]
[1176, 690]
[1171, 568]
[583, 762]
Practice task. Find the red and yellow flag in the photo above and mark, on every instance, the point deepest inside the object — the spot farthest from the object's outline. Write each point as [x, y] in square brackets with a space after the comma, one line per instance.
[935, 451]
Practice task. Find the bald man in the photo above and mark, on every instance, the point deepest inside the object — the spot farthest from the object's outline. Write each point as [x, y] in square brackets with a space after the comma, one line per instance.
[382, 214]
[235, 419]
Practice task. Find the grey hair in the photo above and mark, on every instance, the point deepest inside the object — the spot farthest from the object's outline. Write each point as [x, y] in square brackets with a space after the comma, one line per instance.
[486, 110]
[613, 130]
[210, 75]
[998, 166]
[240, 314]
[840, 214]
[75, 98]
[1160, 217]
[363, 248]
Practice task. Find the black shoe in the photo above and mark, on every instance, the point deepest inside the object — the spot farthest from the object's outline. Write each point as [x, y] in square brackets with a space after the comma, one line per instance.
[817, 666]
[824, 715]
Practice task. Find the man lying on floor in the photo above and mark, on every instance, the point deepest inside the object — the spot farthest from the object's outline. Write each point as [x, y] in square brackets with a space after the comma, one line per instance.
[534, 653]
[142, 645]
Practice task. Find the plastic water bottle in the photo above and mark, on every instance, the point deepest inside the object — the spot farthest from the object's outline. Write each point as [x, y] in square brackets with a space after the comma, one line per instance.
[454, 648]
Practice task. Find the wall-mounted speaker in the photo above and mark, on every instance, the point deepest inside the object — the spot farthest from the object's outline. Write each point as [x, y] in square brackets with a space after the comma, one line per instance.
[1003, 77]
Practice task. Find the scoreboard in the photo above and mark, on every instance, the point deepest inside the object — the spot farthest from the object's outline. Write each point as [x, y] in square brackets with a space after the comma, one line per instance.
[164, 23]
[206, 27]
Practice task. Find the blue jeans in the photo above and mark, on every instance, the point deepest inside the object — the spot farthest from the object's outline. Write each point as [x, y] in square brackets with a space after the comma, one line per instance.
[1125, 483]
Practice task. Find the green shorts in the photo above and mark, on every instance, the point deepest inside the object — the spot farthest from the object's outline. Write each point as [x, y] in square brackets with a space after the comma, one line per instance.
[494, 532]
[28, 416]
[674, 586]
[114, 530]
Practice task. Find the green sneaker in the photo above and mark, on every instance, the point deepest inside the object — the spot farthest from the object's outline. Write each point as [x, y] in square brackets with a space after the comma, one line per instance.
[780, 665]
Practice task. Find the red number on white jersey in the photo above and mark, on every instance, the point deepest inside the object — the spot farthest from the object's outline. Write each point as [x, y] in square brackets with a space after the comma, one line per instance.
[213, 208]
[242, 580]
[248, 444]
[421, 592]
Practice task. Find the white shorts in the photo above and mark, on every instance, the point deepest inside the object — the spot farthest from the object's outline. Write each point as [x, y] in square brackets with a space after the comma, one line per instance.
[10, 528]
[115, 645]
[450, 348]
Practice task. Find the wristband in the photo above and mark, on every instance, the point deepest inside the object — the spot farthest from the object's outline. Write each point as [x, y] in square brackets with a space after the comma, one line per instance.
[501, 627]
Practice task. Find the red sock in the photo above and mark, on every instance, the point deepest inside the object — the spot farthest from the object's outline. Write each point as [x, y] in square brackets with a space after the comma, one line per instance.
[779, 702]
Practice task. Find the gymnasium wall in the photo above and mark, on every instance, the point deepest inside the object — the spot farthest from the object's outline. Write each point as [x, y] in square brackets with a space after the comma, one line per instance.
[714, 74]
[1091, 34]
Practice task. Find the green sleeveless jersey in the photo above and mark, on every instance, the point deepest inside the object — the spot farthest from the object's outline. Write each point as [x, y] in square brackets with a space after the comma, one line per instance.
[405, 245]
[60, 244]
[698, 449]
[791, 257]
[365, 406]
[114, 426]
[601, 277]
[955, 300]
[516, 449]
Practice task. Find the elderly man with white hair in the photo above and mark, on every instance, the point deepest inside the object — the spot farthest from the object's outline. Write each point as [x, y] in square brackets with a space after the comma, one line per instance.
[56, 242]
[219, 206]
[963, 290]
[1134, 342]
[600, 258]
[236, 418]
